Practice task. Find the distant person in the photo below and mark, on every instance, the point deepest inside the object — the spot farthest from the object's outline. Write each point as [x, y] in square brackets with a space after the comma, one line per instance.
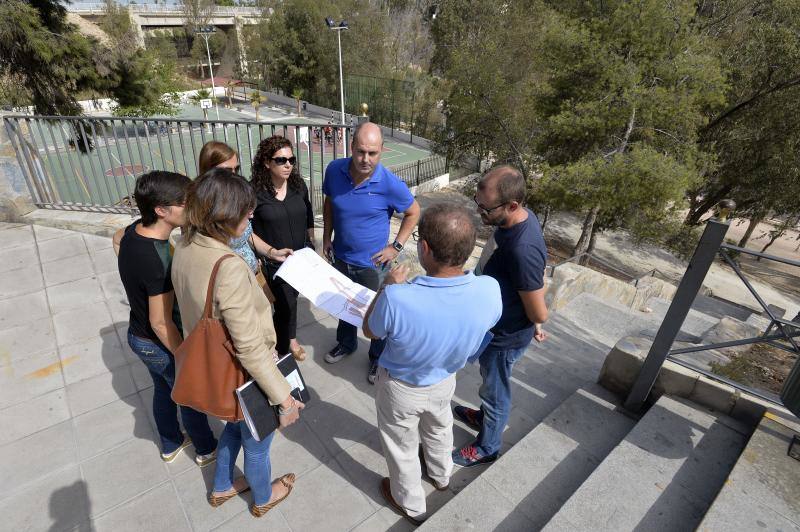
[518, 265]
[215, 154]
[154, 329]
[283, 219]
[328, 134]
[361, 196]
[219, 207]
[432, 325]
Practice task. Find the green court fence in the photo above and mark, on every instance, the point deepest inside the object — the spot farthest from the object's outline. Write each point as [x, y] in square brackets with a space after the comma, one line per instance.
[91, 163]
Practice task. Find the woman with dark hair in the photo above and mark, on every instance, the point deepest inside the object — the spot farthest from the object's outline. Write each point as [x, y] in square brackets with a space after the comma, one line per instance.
[218, 208]
[215, 154]
[284, 219]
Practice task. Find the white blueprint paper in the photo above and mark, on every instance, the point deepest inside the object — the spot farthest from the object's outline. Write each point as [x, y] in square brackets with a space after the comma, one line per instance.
[325, 286]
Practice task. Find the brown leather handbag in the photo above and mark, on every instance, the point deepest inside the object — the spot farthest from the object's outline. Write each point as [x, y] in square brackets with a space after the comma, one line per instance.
[207, 371]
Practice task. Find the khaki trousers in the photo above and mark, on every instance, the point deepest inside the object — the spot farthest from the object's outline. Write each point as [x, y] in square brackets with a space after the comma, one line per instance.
[406, 415]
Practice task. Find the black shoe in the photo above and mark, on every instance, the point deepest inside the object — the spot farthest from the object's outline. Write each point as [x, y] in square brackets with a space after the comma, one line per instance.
[336, 354]
[372, 374]
[469, 416]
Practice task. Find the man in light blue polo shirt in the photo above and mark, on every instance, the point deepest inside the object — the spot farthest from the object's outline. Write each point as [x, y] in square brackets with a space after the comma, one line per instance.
[432, 325]
[360, 197]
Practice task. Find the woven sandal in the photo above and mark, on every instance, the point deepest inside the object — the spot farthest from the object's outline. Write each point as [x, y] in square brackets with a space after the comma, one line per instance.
[260, 509]
[218, 500]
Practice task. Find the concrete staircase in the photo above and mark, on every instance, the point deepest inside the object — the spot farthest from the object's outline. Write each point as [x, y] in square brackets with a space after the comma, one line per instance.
[761, 491]
[589, 466]
[609, 321]
[663, 476]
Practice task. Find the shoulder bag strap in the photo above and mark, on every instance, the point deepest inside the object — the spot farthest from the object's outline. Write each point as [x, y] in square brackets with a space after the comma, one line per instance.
[211, 281]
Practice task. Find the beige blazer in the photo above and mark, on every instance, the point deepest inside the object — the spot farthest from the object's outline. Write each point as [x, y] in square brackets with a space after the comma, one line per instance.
[238, 301]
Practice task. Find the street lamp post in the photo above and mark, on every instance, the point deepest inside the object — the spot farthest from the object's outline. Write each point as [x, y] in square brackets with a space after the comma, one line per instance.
[338, 28]
[206, 32]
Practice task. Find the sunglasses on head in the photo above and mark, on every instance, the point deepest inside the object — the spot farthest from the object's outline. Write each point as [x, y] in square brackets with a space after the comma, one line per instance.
[283, 160]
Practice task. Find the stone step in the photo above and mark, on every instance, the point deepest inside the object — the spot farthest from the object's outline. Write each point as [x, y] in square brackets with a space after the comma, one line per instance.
[696, 323]
[662, 476]
[607, 321]
[719, 308]
[529, 483]
[761, 491]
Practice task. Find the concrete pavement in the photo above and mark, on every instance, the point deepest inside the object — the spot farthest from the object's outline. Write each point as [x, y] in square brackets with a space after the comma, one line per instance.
[78, 447]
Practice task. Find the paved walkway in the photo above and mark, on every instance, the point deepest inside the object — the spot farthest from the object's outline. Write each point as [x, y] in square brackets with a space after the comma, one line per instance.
[78, 451]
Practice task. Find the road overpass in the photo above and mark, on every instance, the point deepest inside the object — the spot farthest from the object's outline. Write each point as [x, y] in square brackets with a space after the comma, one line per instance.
[147, 18]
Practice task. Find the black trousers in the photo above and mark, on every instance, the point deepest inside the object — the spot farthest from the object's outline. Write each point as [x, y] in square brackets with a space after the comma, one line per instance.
[285, 315]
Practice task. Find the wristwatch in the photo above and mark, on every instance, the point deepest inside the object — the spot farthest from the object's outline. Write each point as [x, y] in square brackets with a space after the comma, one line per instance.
[397, 246]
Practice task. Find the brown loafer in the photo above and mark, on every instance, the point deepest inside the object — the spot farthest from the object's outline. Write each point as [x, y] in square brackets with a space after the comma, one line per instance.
[260, 509]
[299, 354]
[386, 491]
[218, 500]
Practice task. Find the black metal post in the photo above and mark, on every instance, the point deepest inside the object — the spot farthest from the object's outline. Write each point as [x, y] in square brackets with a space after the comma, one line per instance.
[690, 284]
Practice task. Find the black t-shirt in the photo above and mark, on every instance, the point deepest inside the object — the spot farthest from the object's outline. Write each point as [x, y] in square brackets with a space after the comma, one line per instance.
[283, 224]
[517, 264]
[144, 267]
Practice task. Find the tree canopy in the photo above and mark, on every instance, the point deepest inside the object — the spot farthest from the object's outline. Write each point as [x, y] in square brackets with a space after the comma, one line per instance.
[602, 100]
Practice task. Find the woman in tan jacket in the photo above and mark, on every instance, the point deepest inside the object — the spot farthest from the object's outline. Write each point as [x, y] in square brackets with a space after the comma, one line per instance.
[218, 208]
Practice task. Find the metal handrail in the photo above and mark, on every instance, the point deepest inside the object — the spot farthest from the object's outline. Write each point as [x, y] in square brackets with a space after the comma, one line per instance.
[89, 118]
[710, 246]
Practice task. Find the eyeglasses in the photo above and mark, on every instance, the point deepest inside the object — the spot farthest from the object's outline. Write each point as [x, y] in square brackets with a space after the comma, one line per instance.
[487, 210]
[415, 236]
[280, 161]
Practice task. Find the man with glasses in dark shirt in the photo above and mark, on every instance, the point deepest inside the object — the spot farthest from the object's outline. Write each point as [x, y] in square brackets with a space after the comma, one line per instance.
[518, 266]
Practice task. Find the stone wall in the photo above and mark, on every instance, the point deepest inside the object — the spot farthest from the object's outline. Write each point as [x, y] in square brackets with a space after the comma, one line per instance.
[15, 198]
[569, 280]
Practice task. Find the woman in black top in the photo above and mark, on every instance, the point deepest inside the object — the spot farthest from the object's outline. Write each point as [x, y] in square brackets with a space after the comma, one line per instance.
[283, 219]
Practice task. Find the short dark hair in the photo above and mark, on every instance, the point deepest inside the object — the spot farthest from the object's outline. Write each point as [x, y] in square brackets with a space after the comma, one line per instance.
[508, 182]
[449, 232]
[159, 189]
[217, 201]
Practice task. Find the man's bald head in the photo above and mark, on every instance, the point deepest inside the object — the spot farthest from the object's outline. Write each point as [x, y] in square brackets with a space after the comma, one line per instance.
[449, 232]
[506, 182]
[368, 132]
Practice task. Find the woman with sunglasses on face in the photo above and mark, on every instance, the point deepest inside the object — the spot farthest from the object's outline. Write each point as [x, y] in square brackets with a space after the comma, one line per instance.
[215, 154]
[284, 219]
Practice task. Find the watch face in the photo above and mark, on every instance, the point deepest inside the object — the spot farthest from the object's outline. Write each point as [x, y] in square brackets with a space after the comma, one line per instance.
[397, 245]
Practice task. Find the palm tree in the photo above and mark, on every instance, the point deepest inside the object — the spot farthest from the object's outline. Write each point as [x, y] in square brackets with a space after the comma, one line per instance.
[256, 99]
[297, 94]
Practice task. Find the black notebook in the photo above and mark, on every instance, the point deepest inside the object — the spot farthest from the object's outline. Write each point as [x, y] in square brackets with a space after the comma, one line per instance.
[260, 416]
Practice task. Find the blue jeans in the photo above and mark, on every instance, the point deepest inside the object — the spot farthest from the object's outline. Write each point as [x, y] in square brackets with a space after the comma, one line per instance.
[161, 365]
[495, 393]
[257, 468]
[347, 334]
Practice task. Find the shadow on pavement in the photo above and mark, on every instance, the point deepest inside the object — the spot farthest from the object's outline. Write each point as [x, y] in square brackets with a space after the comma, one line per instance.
[70, 505]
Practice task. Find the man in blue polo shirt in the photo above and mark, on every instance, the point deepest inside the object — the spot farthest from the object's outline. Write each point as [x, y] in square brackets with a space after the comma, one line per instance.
[360, 197]
[432, 325]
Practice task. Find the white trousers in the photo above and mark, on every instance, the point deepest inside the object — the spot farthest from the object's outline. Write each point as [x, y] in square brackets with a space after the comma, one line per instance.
[408, 414]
